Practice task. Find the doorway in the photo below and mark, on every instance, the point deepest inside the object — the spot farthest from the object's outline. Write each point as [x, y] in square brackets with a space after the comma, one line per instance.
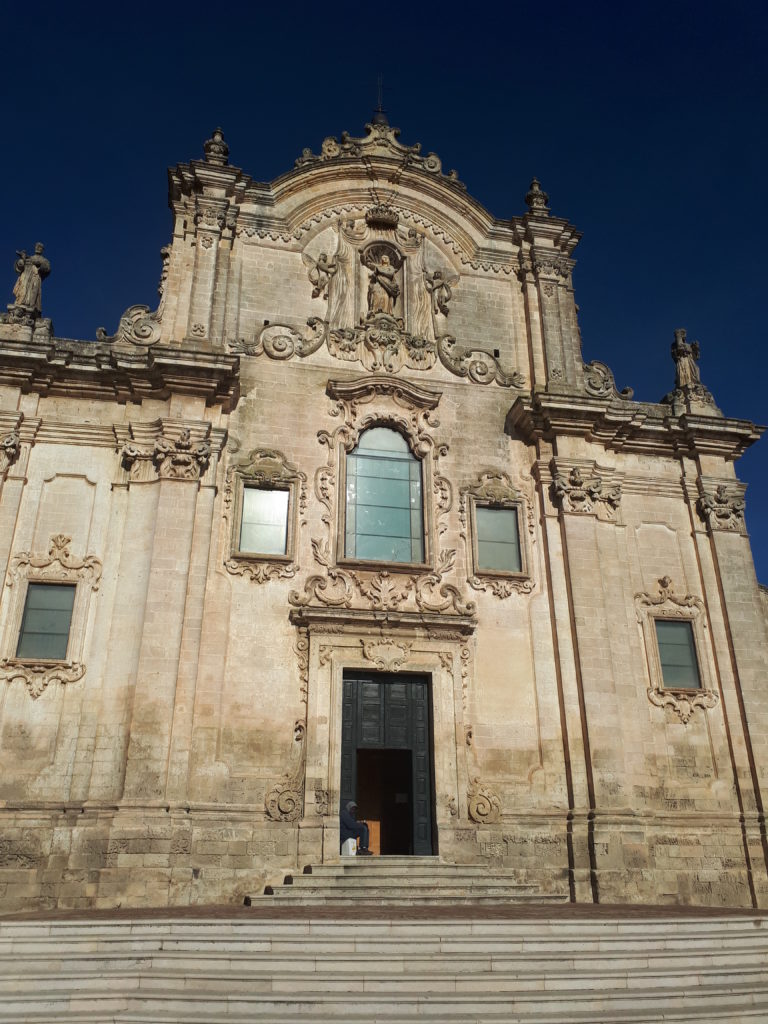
[386, 759]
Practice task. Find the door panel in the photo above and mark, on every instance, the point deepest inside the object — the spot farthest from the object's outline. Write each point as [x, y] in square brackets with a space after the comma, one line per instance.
[390, 713]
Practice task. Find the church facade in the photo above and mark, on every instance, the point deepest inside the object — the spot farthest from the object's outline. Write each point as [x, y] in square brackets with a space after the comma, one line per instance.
[347, 516]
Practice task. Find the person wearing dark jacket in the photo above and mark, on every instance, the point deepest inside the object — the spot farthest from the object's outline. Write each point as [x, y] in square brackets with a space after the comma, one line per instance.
[351, 828]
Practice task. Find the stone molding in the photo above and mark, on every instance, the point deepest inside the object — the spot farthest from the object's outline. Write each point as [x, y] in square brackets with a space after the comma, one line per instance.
[494, 489]
[166, 449]
[342, 583]
[666, 604]
[572, 492]
[59, 565]
[269, 468]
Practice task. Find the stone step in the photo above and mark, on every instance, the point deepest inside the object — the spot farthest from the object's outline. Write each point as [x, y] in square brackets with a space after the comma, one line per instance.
[395, 882]
[382, 876]
[133, 1001]
[373, 896]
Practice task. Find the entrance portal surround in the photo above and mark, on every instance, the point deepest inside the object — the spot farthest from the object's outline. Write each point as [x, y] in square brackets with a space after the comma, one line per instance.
[441, 651]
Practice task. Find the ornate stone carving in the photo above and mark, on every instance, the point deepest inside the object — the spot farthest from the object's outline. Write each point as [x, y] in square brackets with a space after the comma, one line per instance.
[139, 325]
[536, 200]
[408, 409]
[285, 801]
[174, 459]
[380, 140]
[61, 566]
[495, 489]
[575, 494]
[682, 702]
[483, 803]
[10, 446]
[722, 509]
[666, 604]
[688, 387]
[37, 676]
[269, 468]
[383, 262]
[320, 272]
[379, 343]
[387, 655]
[321, 799]
[27, 292]
[599, 382]
[440, 290]
[216, 150]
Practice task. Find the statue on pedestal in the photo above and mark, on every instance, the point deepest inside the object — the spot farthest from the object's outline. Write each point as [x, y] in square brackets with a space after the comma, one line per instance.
[32, 271]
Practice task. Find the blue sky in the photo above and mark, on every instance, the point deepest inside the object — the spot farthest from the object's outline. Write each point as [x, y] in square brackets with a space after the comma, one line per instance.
[646, 123]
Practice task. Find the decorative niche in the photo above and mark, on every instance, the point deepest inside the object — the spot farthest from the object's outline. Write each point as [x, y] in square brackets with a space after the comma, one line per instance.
[667, 607]
[265, 498]
[60, 568]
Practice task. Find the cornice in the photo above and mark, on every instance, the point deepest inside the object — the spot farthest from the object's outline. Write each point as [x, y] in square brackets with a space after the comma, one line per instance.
[628, 426]
[352, 620]
[122, 373]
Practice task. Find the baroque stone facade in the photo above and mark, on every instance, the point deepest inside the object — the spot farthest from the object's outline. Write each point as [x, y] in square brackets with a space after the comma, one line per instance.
[190, 745]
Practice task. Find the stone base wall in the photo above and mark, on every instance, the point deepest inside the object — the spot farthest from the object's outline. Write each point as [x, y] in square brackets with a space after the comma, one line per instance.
[78, 858]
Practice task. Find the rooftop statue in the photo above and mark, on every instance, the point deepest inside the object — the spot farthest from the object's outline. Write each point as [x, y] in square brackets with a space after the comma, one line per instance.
[32, 271]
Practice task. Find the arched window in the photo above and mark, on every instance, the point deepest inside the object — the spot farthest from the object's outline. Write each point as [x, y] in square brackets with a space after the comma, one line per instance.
[384, 511]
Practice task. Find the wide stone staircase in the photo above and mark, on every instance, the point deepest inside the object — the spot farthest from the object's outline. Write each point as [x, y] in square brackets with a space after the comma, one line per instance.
[367, 967]
[403, 881]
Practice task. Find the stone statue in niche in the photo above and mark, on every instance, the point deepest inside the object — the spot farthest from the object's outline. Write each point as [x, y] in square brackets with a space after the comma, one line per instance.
[383, 262]
[320, 272]
[32, 271]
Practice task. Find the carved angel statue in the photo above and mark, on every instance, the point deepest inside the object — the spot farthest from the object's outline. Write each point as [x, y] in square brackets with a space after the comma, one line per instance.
[440, 290]
[685, 356]
[32, 271]
[320, 272]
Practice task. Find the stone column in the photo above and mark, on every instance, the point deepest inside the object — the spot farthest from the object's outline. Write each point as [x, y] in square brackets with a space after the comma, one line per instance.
[180, 462]
[210, 218]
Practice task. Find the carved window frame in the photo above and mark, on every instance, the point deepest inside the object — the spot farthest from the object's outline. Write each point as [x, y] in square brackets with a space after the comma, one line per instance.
[423, 457]
[264, 469]
[667, 606]
[59, 566]
[495, 490]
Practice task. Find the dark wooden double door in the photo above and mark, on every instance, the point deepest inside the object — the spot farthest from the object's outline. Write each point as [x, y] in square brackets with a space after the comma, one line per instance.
[386, 758]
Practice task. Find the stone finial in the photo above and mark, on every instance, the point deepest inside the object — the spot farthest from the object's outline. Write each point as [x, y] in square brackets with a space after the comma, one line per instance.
[380, 117]
[216, 149]
[536, 200]
[32, 271]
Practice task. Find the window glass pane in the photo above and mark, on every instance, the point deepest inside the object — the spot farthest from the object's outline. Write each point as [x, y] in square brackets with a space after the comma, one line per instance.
[677, 654]
[498, 539]
[264, 527]
[384, 516]
[46, 621]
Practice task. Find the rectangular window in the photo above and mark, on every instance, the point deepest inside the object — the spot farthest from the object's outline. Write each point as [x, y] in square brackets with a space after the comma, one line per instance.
[46, 621]
[677, 653]
[264, 524]
[498, 539]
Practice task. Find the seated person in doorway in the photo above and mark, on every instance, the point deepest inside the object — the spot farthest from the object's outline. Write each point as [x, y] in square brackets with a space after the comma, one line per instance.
[351, 828]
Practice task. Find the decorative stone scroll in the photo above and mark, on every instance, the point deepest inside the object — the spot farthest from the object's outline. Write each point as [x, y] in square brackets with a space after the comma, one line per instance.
[178, 458]
[666, 604]
[574, 493]
[599, 382]
[386, 654]
[380, 140]
[58, 566]
[495, 489]
[268, 468]
[408, 408]
[285, 801]
[379, 344]
[722, 509]
[483, 803]
[139, 325]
